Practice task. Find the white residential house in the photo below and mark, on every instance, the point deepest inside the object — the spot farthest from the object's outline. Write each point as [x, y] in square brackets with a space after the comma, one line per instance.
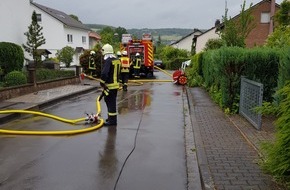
[201, 40]
[15, 17]
[59, 29]
[262, 13]
[186, 42]
[95, 38]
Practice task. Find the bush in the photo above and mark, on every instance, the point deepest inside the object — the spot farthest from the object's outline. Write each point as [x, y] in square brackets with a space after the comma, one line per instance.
[84, 62]
[11, 57]
[277, 154]
[15, 78]
[48, 74]
[194, 72]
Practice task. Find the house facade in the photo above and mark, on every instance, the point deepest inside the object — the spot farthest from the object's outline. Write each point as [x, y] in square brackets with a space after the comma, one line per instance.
[59, 29]
[185, 42]
[15, 17]
[201, 40]
[262, 13]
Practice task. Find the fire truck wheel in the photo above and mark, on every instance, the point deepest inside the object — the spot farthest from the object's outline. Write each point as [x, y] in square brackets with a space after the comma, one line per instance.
[182, 80]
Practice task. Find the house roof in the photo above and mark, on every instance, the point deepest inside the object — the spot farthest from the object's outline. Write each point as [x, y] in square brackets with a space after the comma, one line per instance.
[94, 35]
[194, 30]
[236, 16]
[42, 52]
[62, 17]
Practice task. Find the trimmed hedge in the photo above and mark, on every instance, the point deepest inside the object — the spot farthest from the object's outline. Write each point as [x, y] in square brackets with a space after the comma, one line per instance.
[11, 57]
[15, 78]
[222, 70]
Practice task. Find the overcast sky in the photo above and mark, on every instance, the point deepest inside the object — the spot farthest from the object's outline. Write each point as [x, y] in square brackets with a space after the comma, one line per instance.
[153, 14]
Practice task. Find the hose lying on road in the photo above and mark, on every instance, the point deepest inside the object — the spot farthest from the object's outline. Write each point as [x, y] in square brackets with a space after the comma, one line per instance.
[141, 81]
[60, 132]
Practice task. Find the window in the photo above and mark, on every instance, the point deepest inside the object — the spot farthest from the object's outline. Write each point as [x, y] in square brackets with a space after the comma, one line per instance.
[38, 17]
[265, 17]
[70, 38]
[84, 39]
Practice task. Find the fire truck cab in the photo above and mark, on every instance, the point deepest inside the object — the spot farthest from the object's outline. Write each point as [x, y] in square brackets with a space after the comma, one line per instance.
[142, 46]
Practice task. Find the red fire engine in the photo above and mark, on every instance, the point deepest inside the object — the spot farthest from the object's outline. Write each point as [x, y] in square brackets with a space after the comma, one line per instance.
[142, 46]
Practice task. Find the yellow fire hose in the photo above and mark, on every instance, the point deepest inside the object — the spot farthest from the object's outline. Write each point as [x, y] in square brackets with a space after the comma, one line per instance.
[141, 81]
[60, 132]
[71, 121]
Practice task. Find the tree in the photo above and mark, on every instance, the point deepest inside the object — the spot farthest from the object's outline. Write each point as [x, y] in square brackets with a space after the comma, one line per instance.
[234, 31]
[11, 57]
[35, 38]
[213, 44]
[281, 36]
[107, 35]
[120, 31]
[283, 15]
[75, 17]
[65, 55]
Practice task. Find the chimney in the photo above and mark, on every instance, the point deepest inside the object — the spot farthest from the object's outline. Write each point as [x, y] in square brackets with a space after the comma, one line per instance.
[272, 12]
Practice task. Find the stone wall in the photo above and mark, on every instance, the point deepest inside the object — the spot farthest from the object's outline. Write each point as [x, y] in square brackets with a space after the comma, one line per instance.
[12, 92]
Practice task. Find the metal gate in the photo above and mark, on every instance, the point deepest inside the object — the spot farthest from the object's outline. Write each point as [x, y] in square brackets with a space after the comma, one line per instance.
[251, 96]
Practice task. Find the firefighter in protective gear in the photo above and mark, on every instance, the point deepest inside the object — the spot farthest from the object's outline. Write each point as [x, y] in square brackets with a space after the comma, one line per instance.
[125, 69]
[137, 65]
[110, 82]
[119, 54]
[92, 66]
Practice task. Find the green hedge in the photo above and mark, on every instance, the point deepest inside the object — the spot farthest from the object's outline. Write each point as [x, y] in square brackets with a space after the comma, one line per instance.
[48, 74]
[222, 70]
[15, 78]
[11, 57]
[277, 153]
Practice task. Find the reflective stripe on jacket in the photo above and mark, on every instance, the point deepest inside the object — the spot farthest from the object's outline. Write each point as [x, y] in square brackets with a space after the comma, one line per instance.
[125, 64]
[110, 73]
[137, 64]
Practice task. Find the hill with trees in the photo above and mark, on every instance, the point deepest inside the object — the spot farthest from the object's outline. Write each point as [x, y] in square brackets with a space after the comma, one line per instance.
[167, 35]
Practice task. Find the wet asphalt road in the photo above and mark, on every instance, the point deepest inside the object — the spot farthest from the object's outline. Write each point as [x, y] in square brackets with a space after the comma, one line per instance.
[145, 151]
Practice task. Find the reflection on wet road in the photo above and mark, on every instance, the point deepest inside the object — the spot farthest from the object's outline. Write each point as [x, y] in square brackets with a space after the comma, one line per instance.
[145, 151]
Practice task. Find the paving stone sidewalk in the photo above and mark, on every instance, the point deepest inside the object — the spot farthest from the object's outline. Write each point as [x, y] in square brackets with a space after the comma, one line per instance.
[227, 147]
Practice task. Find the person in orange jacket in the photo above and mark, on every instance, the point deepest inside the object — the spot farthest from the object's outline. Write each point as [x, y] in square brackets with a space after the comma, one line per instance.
[125, 68]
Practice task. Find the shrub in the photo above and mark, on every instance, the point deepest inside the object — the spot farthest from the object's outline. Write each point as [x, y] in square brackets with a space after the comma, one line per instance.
[15, 78]
[277, 154]
[48, 74]
[84, 62]
[11, 57]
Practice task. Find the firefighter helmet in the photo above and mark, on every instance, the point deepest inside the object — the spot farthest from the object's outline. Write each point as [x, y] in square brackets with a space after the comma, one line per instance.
[137, 54]
[92, 52]
[107, 49]
[118, 53]
[124, 53]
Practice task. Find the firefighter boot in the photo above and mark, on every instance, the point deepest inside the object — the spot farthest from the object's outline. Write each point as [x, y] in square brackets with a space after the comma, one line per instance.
[125, 88]
[112, 120]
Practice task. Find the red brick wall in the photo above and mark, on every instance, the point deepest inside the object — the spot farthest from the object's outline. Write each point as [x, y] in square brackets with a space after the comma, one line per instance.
[259, 34]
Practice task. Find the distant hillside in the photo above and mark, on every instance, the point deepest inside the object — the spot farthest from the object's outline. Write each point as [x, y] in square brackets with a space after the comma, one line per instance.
[167, 35]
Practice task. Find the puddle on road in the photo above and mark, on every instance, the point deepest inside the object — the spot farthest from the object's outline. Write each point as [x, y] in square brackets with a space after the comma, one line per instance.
[138, 100]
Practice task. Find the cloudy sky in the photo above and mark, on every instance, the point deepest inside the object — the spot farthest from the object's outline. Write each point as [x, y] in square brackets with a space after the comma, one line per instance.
[139, 14]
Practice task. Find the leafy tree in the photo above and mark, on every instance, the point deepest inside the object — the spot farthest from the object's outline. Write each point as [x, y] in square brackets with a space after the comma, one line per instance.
[107, 35]
[11, 57]
[75, 17]
[281, 36]
[213, 44]
[35, 38]
[283, 15]
[235, 31]
[120, 31]
[112, 36]
[65, 55]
